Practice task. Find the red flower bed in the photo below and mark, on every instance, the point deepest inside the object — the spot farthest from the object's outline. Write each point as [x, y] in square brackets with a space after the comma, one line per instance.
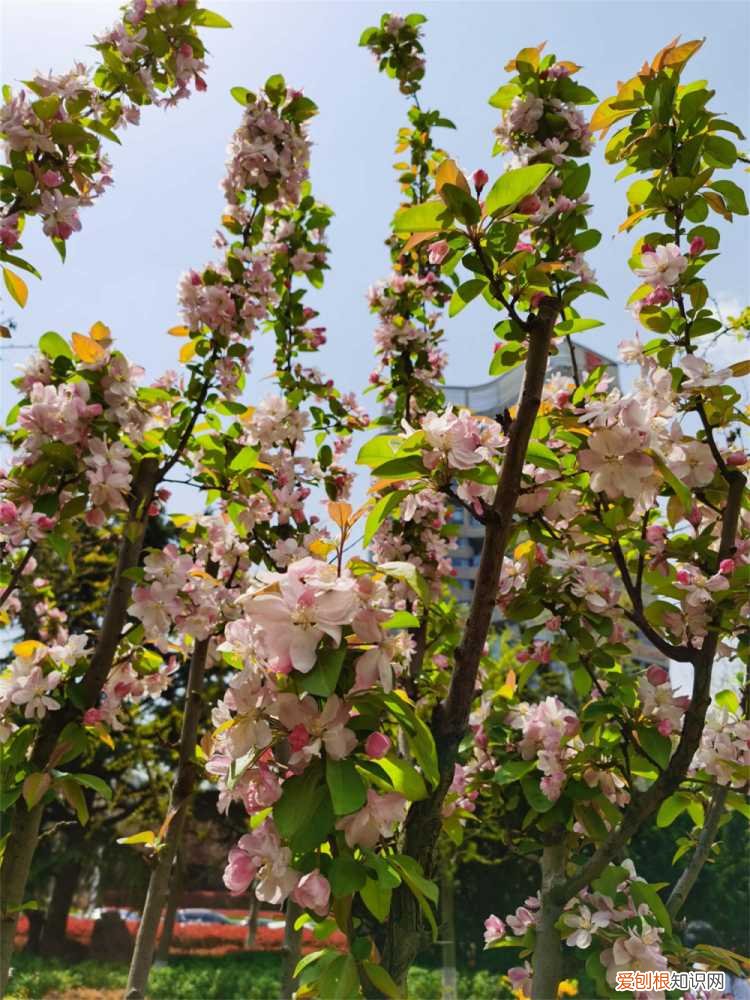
[198, 939]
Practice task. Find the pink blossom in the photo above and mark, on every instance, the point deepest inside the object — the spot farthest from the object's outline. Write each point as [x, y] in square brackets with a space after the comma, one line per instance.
[662, 266]
[313, 892]
[697, 246]
[657, 675]
[310, 602]
[437, 252]
[582, 925]
[376, 819]
[494, 930]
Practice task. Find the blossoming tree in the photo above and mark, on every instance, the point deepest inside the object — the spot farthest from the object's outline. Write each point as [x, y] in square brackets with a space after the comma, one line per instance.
[362, 711]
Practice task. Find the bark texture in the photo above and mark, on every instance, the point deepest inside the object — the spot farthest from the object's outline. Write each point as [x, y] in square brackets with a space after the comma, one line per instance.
[24, 828]
[404, 934]
[182, 790]
[548, 960]
[291, 950]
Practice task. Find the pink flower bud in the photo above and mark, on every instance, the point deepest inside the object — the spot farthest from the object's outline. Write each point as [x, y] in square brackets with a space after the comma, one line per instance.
[437, 252]
[186, 50]
[298, 738]
[657, 675]
[200, 83]
[51, 178]
[479, 178]
[536, 299]
[726, 566]
[647, 248]
[655, 534]
[697, 246]
[659, 297]
[153, 508]
[736, 458]
[8, 512]
[665, 727]
[529, 205]
[683, 577]
[91, 716]
[377, 745]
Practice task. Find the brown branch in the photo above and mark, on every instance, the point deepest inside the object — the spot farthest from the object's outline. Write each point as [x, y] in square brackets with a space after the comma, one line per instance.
[644, 806]
[688, 878]
[17, 573]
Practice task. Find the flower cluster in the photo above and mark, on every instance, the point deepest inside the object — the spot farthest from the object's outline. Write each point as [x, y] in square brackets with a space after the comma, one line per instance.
[546, 729]
[51, 131]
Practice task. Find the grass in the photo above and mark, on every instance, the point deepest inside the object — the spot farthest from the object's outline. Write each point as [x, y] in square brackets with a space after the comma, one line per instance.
[242, 976]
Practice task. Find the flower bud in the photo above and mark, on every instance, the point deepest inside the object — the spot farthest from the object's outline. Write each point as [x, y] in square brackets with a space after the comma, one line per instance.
[657, 675]
[479, 178]
[377, 745]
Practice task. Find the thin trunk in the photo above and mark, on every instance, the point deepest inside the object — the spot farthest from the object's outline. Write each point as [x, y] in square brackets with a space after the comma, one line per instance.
[56, 923]
[448, 933]
[182, 790]
[252, 920]
[404, 933]
[547, 960]
[291, 950]
[173, 901]
[24, 827]
[688, 878]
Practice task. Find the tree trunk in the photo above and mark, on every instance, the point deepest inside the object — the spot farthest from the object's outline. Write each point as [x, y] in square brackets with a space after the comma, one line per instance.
[182, 790]
[404, 933]
[24, 828]
[56, 923]
[291, 950]
[548, 943]
[173, 901]
[448, 933]
[252, 920]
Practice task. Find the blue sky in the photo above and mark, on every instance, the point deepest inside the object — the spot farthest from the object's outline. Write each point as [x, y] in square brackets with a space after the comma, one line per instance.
[159, 217]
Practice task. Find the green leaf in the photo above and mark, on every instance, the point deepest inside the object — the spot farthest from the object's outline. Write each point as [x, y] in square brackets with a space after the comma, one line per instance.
[209, 19]
[719, 152]
[671, 808]
[46, 107]
[401, 619]
[275, 87]
[407, 466]
[643, 893]
[75, 798]
[464, 294]
[429, 217]
[245, 459]
[404, 778]
[514, 770]
[380, 512]
[421, 888]
[465, 208]
[35, 786]
[409, 574]
[542, 456]
[503, 97]
[303, 963]
[733, 195]
[658, 747]
[514, 185]
[378, 450]
[381, 979]
[577, 325]
[324, 676]
[534, 795]
[348, 790]
[53, 345]
[728, 699]
[346, 875]
[680, 489]
[242, 95]
[299, 797]
[91, 781]
[377, 899]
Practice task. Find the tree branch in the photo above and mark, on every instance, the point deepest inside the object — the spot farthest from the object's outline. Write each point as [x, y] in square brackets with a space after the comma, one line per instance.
[688, 878]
